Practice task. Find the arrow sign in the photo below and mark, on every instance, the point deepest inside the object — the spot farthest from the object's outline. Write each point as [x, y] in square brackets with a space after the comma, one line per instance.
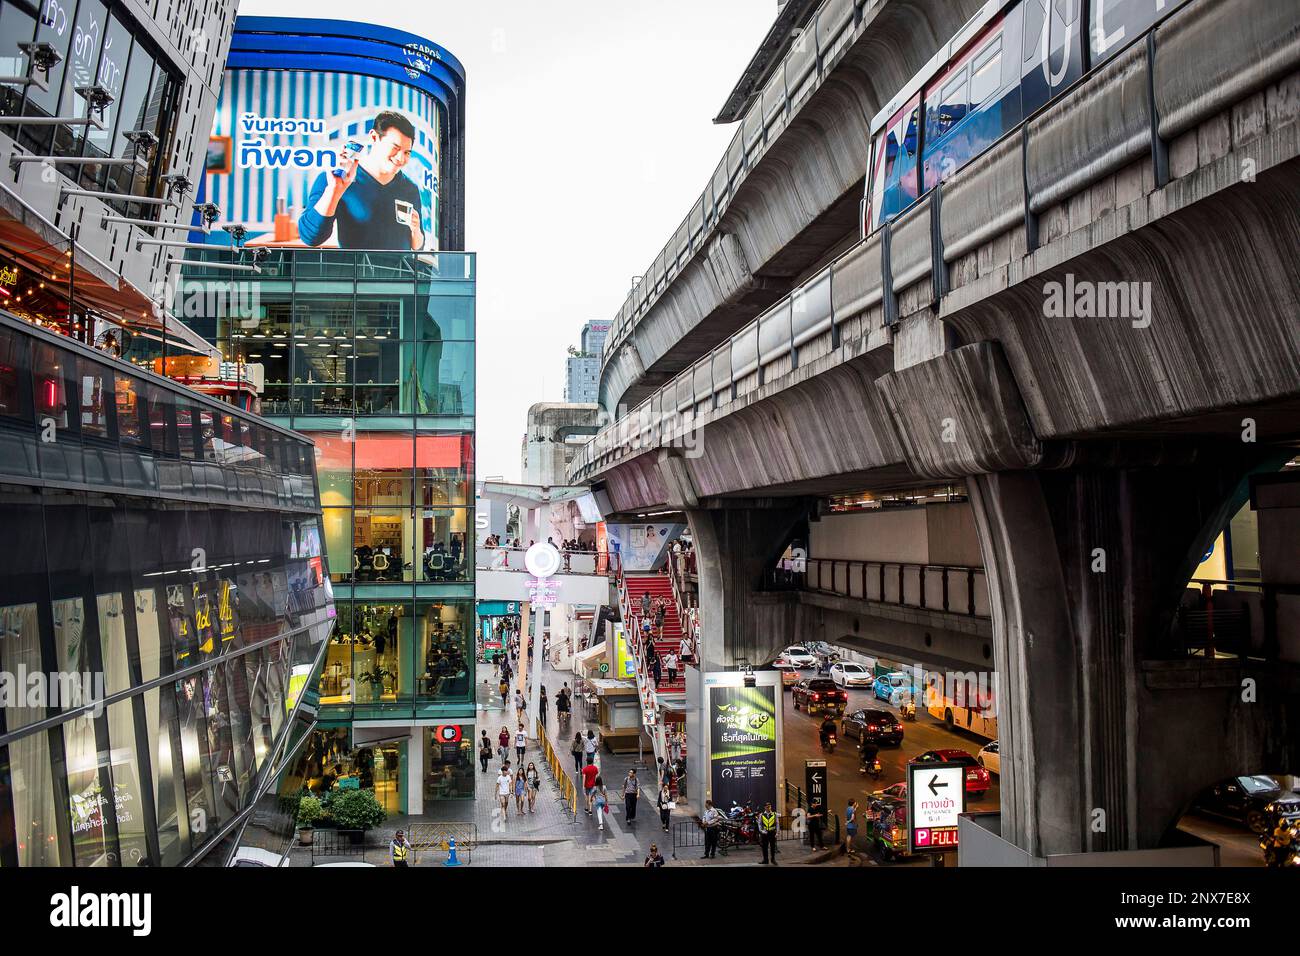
[934, 782]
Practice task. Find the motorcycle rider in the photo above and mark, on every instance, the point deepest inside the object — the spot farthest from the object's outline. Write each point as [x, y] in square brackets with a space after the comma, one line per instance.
[867, 751]
[909, 708]
[827, 730]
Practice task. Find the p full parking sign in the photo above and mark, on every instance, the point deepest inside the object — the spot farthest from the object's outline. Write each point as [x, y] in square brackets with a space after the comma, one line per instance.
[936, 797]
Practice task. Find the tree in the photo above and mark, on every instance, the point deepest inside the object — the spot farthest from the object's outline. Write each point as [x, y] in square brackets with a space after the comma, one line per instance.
[356, 810]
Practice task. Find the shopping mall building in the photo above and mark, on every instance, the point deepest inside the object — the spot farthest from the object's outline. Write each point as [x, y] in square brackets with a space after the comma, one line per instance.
[369, 352]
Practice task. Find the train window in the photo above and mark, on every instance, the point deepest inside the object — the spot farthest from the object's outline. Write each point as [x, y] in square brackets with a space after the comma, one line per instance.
[14, 392]
[93, 380]
[894, 176]
[1067, 10]
[952, 105]
[986, 72]
[130, 428]
[1032, 34]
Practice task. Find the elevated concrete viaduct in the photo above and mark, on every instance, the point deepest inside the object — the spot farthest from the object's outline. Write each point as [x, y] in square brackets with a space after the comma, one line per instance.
[1096, 328]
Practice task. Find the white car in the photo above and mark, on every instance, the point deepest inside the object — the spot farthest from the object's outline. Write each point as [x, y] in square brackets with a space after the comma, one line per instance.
[848, 674]
[783, 663]
[990, 759]
[799, 656]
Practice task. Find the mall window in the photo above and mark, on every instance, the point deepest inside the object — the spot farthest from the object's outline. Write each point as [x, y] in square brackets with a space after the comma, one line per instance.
[448, 761]
[99, 44]
[443, 630]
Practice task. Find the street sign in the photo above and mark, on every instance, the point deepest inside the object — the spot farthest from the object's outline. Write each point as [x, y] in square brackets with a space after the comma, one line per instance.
[814, 777]
[936, 797]
[604, 668]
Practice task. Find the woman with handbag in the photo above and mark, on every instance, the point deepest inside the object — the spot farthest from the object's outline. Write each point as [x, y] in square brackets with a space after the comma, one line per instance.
[666, 804]
[601, 802]
[534, 785]
[577, 749]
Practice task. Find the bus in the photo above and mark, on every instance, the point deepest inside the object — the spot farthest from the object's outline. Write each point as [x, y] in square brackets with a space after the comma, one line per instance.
[964, 699]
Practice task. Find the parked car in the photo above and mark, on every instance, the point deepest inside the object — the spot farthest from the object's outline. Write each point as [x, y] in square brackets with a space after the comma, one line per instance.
[977, 778]
[1240, 799]
[819, 694]
[989, 758]
[893, 687]
[895, 791]
[849, 674]
[800, 656]
[879, 726]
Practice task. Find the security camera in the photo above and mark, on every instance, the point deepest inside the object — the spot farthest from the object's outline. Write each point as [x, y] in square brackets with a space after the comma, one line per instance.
[96, 97]
[236, 233]
[43, 56]
[260, 255]
[177, 183]
[144, 141]
[209, 212]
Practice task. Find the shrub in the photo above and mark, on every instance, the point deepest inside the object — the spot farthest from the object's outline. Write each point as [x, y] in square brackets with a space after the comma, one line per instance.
[309, 811]
[356, 810]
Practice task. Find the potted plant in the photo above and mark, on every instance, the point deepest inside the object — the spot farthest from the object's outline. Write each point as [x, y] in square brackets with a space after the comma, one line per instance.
[309, 811]
[356, 811]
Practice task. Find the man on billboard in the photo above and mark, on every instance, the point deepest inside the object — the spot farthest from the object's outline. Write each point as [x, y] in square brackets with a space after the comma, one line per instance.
[367, 196]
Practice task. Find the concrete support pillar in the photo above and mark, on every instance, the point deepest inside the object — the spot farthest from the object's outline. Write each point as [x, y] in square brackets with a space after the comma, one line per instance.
[415, 772]
[1085, 569]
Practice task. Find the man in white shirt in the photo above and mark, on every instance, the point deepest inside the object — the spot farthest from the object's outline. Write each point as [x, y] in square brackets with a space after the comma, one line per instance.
[504, 783]
[670, 664]
[684, 648]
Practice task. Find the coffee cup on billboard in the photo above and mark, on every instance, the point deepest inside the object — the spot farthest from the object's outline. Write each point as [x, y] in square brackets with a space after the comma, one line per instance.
[405, 211]
[350, 152]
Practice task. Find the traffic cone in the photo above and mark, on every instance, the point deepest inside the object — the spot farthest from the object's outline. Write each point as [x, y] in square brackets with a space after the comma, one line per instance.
[452, 859]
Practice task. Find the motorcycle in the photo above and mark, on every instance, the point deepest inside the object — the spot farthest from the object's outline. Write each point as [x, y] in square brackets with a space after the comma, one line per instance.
[873, 768]
[745, 822]
[909, 710]
[828, 743]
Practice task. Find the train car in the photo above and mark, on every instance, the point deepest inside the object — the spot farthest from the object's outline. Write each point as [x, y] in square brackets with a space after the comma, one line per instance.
[1005, 64]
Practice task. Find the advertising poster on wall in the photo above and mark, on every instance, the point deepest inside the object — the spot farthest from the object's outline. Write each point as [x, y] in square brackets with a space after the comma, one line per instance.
[311, 159]
[642, 547]
[742, 745]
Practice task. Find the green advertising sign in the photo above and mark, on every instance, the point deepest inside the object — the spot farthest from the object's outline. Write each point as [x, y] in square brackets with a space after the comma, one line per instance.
[742, 745]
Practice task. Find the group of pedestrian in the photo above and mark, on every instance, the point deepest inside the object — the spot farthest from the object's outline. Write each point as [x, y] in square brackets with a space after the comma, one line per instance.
[517, 781]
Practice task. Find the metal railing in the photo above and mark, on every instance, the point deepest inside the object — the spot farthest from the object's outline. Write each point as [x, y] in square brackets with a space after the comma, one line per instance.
[567, 791]
[955, 589]
[436, 838]
[571, 562]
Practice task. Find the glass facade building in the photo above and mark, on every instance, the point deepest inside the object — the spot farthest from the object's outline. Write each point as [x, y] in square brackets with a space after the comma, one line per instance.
[371, 355]
[164, 609]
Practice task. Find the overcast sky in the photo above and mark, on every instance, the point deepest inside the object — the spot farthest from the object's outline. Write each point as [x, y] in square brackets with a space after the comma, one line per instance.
[590, 135]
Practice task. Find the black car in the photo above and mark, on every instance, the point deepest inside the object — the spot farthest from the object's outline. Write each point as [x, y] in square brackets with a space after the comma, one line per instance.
[819, 694]
[1241, 799]
[879, 726]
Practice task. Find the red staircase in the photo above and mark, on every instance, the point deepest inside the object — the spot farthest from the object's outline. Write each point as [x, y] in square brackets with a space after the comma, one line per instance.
[658, 586]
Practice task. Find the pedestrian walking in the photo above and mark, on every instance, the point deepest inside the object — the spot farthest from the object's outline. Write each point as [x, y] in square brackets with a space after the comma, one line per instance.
[767, 832]
[850, 826]
[712, 823]
[503, 742]
[665, 804]
[561, 706]
[577, 750]
[485, 751]
[520, 705]
[589, 747]
[398, 849]
[521, 744]
[590, 773]
[504, 785]
[816, 822]
[521, 785]
[645, 606]
[503, 689]
[600, 802]
[534, 785]
[541, 706]
[670, 665]
[655, 665]
[631, 794]
[654, 858]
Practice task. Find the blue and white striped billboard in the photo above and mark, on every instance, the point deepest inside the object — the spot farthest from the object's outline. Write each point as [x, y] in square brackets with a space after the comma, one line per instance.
[276, 132]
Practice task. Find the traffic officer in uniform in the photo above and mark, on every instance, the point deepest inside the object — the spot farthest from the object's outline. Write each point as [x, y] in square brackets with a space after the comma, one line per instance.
[767, 832]
[399, 849]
